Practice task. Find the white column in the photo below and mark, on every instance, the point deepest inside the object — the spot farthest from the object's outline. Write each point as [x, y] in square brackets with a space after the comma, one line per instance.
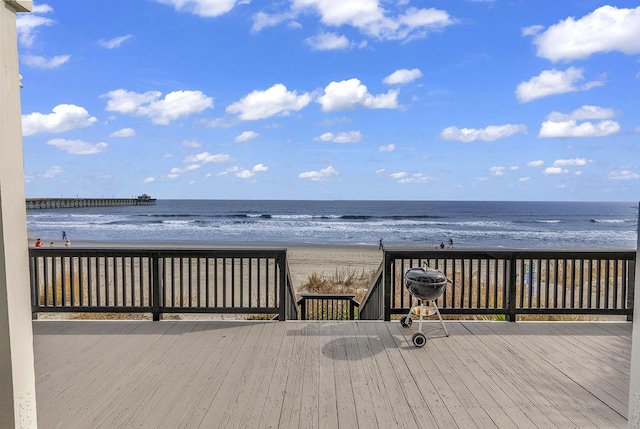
[17, 375]
[634, 382]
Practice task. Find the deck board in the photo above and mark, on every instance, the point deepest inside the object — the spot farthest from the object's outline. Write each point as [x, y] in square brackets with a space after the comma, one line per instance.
[255, 374]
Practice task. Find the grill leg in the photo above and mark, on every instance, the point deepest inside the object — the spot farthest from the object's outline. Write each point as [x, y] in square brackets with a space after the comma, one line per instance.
[411, 304]
[421, 317]
[440, 317]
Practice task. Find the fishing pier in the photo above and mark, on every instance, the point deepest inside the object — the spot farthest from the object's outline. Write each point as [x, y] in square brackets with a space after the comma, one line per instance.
[64, 203]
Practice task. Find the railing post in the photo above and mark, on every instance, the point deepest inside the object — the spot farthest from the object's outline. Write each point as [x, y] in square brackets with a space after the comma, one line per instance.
[386, 286]
[303, 309]
[352, 309]
[631, 289]
[281, 262]
[155, 286]
[34, 287]
[511, 290]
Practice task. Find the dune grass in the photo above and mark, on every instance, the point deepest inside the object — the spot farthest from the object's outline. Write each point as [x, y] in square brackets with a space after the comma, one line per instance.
[340, 282]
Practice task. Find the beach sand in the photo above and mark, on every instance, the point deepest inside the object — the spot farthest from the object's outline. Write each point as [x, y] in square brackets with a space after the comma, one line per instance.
[329, 260]
[303, 260]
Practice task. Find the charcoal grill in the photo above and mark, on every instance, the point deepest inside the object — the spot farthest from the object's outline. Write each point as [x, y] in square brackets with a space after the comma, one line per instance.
[425, 285]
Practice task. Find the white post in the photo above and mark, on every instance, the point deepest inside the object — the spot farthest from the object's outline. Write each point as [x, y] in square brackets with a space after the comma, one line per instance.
[634, 381]
[17, 375]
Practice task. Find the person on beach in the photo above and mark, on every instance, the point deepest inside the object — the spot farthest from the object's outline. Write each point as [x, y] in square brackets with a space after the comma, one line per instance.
[38, 243]
[51, 244]
[67, 244]
[442, 244]
[64, 235]
[380, 245]
[450, 243]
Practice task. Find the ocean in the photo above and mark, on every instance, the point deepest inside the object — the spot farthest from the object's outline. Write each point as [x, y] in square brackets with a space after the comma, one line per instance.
[415, 224]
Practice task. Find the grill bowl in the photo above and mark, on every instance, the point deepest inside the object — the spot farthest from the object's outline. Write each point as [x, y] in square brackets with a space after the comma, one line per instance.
[425, 284]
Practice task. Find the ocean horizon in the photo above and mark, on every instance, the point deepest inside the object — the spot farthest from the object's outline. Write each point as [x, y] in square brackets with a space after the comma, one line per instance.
[470, 224]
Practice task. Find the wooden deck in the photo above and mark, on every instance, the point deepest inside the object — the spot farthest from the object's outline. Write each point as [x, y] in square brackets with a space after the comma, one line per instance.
[209, 374]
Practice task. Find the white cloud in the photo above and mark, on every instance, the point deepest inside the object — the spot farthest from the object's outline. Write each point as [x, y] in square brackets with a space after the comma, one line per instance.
[161, 111]
[536, 163]
[567, 124]
[39, 62]
[399, 175]
[115, 42]
[206, 157]
[149, 180]
[550, 82]
[532, 30]
[323, 175]
[128, 102]
[350, 94]
[125, 132]
[402, 76]
[388, 148]
[328, 42]
[175, 172]
[490, 133]
[404, 177]
[52, 172]
[555, 170]
[28, 23]
[497, 171]
[64, 117]
[582, 113]
[571, 128]
[263, 20]
[204, 8]
[191, 143]
[246, 136]
[606, 29]
[246, 174]
[575, 162]
[624, 175]
[342, 137]
[273, 101]
[78, 147]
[41, 8]
[174, 105]
[371, 18]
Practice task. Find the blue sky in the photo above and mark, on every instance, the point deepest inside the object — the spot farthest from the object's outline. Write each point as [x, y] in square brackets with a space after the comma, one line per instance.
[332, 99]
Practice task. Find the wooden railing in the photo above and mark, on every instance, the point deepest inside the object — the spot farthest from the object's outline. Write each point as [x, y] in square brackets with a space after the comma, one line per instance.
[511, 283]
[504, 284]
[315, 306]
[229, 281]
[372, 305]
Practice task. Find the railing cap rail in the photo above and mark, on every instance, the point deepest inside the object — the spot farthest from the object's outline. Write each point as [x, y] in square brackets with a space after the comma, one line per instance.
[509, 253]
[328, 295]
[147, 251]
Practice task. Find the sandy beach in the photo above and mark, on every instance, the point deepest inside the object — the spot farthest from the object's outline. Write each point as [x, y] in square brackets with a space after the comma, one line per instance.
[303, 260]
[327, 260]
